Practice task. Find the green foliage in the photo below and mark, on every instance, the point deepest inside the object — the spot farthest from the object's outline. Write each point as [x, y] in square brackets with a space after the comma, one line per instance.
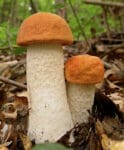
[90, 19]
[50, 146]
[18, 50]
[3, 34]
[46, 6]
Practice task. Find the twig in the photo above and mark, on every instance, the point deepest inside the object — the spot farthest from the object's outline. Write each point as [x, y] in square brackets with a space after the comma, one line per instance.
[62, 11]
[107, 65]
[12, 115]
[77, 19]
[6, 48]
[9, 37]
[112, 39]
[8, 81]
[111, 4]
[106, 22]
[115, 46]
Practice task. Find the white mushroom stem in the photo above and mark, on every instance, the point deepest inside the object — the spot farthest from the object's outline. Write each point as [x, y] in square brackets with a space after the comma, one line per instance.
[80, 99]
[49, 118]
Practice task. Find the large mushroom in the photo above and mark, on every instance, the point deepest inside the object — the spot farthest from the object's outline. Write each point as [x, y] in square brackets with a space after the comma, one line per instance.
[44, 34]
[82, 73]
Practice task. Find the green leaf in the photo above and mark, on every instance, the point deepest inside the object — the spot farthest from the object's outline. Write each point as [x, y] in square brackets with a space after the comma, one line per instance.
[58, 6]
[19, 50]
[50, 146]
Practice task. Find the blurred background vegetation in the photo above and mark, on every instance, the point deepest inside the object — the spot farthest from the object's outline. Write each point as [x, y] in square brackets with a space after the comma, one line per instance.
[86, 21]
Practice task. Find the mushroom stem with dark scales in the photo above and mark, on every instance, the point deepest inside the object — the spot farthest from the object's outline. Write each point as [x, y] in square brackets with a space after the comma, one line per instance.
[82, 73]
[44, 34]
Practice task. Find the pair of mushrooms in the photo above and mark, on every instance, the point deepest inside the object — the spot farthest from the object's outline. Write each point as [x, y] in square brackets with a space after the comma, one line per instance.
[50, 116]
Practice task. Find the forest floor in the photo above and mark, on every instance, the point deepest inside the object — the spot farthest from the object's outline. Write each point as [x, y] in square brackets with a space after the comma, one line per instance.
[105, 129]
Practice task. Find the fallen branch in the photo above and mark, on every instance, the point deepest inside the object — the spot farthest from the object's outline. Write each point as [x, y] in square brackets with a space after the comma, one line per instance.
[115, 46]
[8, 81]
[111, 4]
[113, 39]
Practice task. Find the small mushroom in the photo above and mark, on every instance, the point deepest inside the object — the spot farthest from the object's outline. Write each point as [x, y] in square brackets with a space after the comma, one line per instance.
[82, 73]
[44, 34]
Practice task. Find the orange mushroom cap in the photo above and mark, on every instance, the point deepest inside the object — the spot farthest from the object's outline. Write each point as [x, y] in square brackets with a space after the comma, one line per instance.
[84, 69]
[44, 27]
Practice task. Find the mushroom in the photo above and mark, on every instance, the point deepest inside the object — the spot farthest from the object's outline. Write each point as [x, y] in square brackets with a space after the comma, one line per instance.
[44, 34]
[82, 73]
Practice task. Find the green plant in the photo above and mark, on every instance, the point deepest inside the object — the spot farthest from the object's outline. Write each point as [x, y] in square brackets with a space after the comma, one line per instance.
[50, 146]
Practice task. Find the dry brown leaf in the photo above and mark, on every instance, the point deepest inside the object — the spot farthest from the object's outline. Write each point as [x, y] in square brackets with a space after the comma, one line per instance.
[118, 99]
[112, 85]
[119, 63]
[3, 148]
[26, 142]
[109, 144]
[101, 47]
[108, 73]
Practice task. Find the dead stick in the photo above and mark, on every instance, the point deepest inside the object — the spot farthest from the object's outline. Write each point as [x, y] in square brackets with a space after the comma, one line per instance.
[8, 81]
[111, 4]
[112, 39]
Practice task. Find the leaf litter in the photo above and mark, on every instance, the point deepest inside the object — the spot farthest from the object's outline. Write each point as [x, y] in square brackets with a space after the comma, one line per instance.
[105, 128]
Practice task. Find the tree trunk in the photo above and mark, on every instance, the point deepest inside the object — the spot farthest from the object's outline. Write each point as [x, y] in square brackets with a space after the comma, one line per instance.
[13, 12]
[122, 18]
[4, 11]
[34, 6]
[61, 11]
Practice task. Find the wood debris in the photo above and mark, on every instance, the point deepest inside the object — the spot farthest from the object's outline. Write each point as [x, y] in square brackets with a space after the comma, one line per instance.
[105, 129]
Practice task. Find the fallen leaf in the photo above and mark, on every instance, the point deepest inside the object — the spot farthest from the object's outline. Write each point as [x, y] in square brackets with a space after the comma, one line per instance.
[26, 142]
